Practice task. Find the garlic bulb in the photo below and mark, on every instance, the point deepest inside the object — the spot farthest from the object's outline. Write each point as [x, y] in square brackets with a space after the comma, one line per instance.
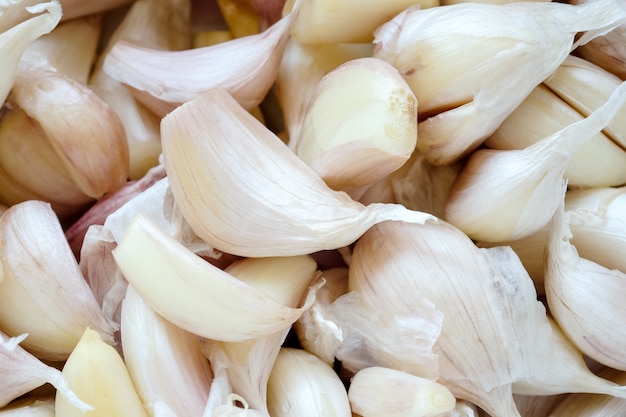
[96, 372]
[514, 48]
[256, 198]
[508, 195]
[384, 392]
[302, 385]
[360, 125]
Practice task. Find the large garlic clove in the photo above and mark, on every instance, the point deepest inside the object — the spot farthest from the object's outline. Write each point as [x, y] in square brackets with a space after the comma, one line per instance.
[329, 21]
[15, 37]
[360, 125]
[96, 372]
[585, 298]
[23, 372]
[302, 385]
[514, 48]
[494, 329]
[385, 392]
[43, 292]
[255, 197]
[508, 195]
[165, 363]
[598, 162]
[162, 80]
[192, 293]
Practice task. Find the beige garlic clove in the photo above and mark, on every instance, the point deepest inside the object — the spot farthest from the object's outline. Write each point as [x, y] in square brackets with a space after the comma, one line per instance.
[523, 187]
[96, 372]
[360, 125]
[246, 67]
[327, 21]
[385, 392]
[256, 198]
[302, 385]
[515, 47]
[43, 292]
[598, 162]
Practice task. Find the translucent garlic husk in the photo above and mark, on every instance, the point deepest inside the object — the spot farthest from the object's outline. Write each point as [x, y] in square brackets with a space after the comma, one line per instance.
[301, 69]
[98, 375]
[585, 298]
[327, 21]
[507, 195]
[43, 292]
[360, 125]
[163, 361]
[256, 198]
[515, 47]
[15, 35]
[39, 407]
[22, 372]
[494, 331]
[300, 384]
[162, 80]
[598, 225]
[598, 162]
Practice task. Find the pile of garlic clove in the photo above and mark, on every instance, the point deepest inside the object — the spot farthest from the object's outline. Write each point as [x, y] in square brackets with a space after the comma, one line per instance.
[278, 208]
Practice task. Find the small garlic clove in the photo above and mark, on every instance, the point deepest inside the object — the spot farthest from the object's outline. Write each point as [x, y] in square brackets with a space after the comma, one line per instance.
[240, 16]
[385, 392]
[253, 176]
[96, 372]
[43, 292]
[360, 125]
[192, 293]
[40, 407]
[162, 80]
[302, 385]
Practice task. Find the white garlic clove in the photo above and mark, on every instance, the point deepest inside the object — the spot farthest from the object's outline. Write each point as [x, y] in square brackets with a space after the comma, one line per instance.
[40, 407]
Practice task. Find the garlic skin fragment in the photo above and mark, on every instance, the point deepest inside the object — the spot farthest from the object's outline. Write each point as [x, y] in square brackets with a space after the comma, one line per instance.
[162, 80]
[380, 392]
[515, 47]
[96, 372]
[43, 292]
[256, 198]
[302, 385]
[361, 124]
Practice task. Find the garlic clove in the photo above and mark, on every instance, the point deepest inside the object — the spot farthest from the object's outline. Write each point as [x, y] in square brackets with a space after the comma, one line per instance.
[361, 124]
[163, 360]
[301, 384]
[71, 8]
[326, 21]
[162, 80]
[598, 162]
[43, 292]
[192, 293]
[96, 372]
[256, 198]
[240, 16]
[378, 392]
[40, 407]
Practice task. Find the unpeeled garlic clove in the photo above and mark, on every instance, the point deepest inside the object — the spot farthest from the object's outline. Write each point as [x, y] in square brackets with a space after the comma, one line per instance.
[256, 198]
[380, 392]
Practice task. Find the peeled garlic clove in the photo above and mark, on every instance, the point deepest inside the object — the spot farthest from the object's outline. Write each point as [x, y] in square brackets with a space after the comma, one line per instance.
[96, 372]
[246, 67]
[523, 187]
[97, 165]
[302, 385]
[585, 298]
[23, 372]
[598, 162]
[163, 360]
[252, 175]
[328, 21]
[192, 293]
[14, 40]
[598, 225]
[459, 94]
[43, 292]
[361, 124]
[378, 392]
